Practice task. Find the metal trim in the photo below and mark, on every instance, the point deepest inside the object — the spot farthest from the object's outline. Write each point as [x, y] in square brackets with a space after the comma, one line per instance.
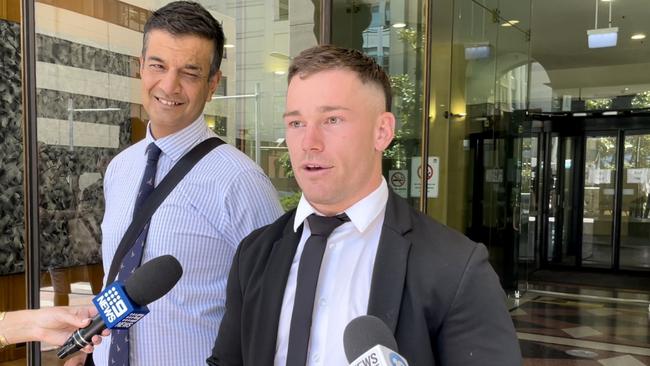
[325, 36]
[426, 110]
[30, 158]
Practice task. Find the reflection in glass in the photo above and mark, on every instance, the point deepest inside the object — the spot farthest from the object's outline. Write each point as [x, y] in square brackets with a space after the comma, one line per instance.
[391, 33]
[598, 211]
[526, 219]
[88, 97]
[635, 214]
[12, 220]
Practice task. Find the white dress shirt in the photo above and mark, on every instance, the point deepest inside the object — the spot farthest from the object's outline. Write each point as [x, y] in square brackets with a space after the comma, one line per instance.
[344, 281]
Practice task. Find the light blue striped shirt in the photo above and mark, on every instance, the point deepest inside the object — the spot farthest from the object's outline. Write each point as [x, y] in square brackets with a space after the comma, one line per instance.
[220, 201]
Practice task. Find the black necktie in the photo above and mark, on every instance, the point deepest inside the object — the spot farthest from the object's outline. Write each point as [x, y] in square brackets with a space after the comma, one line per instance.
[308, 270]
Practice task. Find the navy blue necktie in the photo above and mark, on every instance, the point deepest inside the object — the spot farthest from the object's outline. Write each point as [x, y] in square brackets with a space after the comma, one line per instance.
[119, 354]
[308, 270]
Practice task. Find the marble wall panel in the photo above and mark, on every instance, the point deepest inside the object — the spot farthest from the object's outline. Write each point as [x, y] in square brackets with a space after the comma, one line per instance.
[70, 202]
[12, 224]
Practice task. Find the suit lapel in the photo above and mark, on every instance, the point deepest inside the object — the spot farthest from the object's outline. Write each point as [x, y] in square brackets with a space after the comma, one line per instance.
[389, 273]
[274, 283]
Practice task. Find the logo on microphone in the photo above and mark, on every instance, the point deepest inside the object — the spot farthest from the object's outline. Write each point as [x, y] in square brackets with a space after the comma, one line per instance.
[112, 304]
[397, 360]
[116, 308]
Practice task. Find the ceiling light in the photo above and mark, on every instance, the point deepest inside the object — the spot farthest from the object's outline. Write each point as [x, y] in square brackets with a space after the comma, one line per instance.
[638, 36]
[279, 72]
[604, 37]
[399, 25]
[509, 23]
[228, 46]
[477, 51]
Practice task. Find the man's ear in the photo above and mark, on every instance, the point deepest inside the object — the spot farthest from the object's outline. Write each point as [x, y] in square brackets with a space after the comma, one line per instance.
[385, 131]
[213, 83]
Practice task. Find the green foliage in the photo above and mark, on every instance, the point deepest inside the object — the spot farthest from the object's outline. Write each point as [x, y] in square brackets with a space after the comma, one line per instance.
[410, 36]
[599, 104]
[291, 201]
[407, 110]
[285, 163]
[641, 100]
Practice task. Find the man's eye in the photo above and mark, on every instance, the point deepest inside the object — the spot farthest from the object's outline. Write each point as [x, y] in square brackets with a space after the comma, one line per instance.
[156, 66]
[295, 124]
[333, 120]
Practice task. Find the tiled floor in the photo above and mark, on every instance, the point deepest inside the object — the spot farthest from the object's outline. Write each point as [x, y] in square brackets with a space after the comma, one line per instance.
[554, 330]
[558, 331]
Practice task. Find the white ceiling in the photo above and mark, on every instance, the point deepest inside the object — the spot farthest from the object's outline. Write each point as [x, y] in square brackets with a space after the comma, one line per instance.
[559, 33]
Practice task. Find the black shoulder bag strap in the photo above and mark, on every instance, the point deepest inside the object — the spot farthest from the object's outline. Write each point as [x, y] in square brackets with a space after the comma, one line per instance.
[156, 197]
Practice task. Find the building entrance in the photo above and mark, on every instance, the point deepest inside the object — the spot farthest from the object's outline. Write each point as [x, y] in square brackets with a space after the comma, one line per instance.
[595, 194]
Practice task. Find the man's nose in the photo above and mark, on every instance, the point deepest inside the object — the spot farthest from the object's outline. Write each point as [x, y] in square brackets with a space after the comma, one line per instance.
[170, 83]
[313, 138]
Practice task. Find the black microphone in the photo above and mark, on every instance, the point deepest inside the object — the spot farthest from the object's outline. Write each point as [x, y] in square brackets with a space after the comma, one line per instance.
[121, 306]
[368, 341]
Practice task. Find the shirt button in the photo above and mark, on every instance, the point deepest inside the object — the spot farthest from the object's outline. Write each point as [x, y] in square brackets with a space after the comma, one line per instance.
[323, 303]
[316, 357]
[332, 245]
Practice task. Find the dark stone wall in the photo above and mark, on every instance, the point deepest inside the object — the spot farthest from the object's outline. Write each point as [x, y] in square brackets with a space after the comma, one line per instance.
[12, 224]
[69, 215]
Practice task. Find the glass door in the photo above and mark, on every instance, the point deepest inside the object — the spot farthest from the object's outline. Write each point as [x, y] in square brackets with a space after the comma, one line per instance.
[561, 247]
[525, 203]
[634, 247]
[599, 191]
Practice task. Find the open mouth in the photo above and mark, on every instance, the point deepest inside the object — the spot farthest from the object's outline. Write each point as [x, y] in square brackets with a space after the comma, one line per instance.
[166, 102]
[315, 167]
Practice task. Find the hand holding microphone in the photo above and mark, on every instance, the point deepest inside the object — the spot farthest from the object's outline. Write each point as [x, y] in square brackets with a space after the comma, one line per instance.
[369, 342]
[121, 306]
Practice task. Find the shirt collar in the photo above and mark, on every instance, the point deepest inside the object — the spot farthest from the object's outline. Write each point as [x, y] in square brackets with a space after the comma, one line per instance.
[177, 144]
[361, 214]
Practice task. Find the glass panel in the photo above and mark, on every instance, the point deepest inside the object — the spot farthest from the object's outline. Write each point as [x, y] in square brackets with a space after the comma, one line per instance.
[489, 86]
[553, 199]
[635, 214]
[392, 33]
[562, 248]
[12, 220]
[568, 203]
[526, 206]
[89, 110]
[261, 38]
[599, 190]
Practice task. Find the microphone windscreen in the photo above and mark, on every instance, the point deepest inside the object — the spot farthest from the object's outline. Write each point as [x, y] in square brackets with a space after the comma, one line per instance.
[365, 332]
[153, 279]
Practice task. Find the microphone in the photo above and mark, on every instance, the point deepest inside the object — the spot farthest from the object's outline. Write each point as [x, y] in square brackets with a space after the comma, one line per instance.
[121, 306]
[368, 342]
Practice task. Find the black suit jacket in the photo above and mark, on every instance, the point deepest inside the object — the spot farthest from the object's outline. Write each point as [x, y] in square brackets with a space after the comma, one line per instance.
[432, 286]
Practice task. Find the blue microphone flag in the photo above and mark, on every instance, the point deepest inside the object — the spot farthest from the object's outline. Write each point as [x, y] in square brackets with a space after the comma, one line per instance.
[116, 309]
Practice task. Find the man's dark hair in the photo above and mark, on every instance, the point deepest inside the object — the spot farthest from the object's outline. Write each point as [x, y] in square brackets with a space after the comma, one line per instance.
[181, 18]
[329, 57]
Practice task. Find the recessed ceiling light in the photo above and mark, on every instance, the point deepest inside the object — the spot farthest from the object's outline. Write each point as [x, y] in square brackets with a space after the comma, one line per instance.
[509, 23]
[228, 46]
[399, 25]
[638, 36]
[279, 72]
[607, 1]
